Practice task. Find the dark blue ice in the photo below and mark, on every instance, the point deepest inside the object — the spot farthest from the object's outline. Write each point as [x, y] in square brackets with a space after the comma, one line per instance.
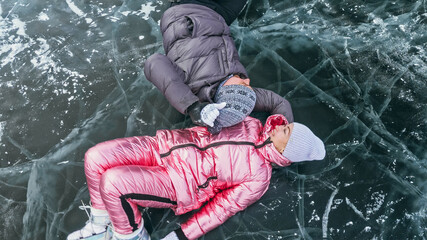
[355, 71]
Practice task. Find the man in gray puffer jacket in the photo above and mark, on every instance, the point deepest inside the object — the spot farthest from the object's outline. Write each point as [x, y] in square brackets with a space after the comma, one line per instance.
[201, 74]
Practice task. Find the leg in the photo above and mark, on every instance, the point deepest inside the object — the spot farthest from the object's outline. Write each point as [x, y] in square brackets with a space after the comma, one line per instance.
[110, 154]
[170, 80]
[100, 158]
[125, 188]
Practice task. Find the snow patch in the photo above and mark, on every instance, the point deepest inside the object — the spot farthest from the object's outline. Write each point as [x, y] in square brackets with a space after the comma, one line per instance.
[74, 8]
[43, 17]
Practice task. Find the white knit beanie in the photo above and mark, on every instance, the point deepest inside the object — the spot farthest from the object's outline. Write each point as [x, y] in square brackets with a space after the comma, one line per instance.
[303, 145]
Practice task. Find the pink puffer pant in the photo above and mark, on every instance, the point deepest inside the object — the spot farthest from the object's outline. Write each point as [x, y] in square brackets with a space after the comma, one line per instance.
[124, 173]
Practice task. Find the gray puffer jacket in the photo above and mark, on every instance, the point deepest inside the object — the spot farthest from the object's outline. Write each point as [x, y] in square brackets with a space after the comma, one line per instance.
[200, 54]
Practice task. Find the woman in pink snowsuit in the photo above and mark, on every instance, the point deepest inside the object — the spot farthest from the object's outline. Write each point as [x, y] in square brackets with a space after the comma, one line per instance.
[183, 169]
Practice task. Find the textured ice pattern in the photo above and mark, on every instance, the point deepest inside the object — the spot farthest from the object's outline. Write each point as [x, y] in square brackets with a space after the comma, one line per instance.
[355, 71]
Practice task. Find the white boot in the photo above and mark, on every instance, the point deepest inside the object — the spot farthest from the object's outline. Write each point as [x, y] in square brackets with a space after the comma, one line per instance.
[96, 226]
[140, 234]
[171, 236]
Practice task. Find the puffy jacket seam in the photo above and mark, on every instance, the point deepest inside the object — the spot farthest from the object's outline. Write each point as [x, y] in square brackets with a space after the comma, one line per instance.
[189, 58]
[216, 144]
[225, 61]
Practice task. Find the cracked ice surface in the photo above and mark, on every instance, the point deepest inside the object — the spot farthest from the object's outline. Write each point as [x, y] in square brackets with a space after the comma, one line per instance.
[354, 71]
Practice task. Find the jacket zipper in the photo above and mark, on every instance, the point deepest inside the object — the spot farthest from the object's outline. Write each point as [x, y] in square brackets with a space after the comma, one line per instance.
[206, 184]
[214, 145]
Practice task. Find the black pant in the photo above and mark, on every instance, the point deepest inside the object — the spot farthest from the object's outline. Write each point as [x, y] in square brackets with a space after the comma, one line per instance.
[228, 9]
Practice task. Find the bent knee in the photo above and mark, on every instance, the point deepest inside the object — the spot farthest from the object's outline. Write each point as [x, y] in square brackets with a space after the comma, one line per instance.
[155, 58]
[152, 62]
[96, 155]
[112, 182]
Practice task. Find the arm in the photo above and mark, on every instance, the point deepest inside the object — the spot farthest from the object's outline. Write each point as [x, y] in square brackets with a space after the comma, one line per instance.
[268, 101]
[169, 79]
[224, 205]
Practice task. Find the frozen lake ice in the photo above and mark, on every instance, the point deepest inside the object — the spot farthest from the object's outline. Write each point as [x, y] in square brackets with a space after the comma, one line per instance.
[355, 72]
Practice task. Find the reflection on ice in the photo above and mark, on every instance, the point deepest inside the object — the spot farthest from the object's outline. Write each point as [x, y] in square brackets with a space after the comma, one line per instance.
[355, 72]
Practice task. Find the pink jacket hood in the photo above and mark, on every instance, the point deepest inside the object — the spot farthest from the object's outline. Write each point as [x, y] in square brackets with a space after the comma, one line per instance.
[270, 124]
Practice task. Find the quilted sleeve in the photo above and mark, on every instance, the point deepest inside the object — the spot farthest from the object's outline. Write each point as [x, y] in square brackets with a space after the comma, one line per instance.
[169, 79]
[224, 205]
[273, 103]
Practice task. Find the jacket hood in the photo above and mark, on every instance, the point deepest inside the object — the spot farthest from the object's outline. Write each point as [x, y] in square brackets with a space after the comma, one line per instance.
[272, 155]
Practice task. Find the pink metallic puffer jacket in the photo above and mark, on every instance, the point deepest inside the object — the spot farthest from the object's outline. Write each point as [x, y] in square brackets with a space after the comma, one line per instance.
[232, 169]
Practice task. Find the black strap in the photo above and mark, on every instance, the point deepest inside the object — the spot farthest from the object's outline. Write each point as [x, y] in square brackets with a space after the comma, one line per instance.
[180, 234]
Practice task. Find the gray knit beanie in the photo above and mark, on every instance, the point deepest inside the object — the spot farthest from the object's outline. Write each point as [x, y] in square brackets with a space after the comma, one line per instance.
[303, 145]
[240, 103]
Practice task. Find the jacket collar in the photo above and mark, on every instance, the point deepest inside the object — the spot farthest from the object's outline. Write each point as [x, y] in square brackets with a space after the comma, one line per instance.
[270, 153]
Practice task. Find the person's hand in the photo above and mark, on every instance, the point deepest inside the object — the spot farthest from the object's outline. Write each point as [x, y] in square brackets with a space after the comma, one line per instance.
[210, 112]
[204, 114]
[171, 236]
